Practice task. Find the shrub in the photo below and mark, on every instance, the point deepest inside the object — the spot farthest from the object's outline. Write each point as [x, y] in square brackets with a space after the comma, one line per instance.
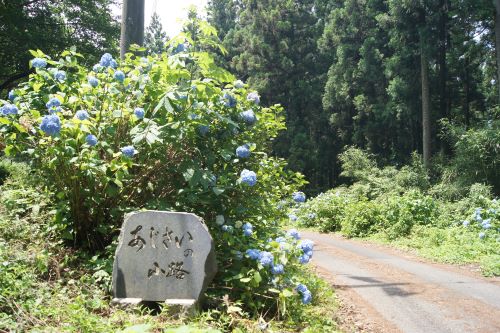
[361, 218]
[477, 153]
[401, 213]
[160, 132]
[325, 211]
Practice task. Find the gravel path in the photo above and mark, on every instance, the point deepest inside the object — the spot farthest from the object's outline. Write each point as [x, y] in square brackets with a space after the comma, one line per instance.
[398, 293]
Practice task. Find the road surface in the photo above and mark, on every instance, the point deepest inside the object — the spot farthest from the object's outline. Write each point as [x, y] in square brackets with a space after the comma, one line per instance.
[389, 291]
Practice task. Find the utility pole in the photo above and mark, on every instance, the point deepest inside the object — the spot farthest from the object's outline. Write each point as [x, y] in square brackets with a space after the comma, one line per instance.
[132, 27]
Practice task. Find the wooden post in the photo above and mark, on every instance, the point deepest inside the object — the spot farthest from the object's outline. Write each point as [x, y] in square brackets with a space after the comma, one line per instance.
[132, 27]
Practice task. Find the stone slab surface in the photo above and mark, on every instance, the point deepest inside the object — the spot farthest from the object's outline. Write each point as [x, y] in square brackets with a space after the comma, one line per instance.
[163, 255]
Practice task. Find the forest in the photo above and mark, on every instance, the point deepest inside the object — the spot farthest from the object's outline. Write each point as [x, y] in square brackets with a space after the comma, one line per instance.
[287, 127]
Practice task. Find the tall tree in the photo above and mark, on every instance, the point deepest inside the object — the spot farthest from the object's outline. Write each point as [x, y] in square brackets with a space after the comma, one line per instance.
[155, 38]
[52, 26]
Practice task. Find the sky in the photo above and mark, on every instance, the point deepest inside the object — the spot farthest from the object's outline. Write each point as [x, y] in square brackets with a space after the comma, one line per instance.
[171, 12]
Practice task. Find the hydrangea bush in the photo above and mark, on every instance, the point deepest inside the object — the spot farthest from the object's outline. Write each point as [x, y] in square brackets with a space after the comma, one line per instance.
[168, 132]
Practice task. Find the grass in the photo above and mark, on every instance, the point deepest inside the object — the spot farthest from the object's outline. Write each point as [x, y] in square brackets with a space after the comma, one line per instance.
[454, 245]
[46, 286]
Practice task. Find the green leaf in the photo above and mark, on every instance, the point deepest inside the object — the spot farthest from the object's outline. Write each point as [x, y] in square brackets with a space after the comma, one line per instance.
[257, 278]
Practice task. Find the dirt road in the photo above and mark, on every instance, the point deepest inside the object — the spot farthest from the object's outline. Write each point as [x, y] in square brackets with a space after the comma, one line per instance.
[385, 290]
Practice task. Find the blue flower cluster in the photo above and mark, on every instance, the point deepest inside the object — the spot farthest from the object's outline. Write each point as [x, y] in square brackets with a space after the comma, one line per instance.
[93, 81]
[248, 117]
[139, 113]
[293, 233]
[247, 229]
[106, 61]
[485, 223]
[307, 247]
[292, 217]
[227, 228]
[39, 63]
[238, 84]
[82, 115]
[253, 254]
[119, 76]
[12, 95]
[248, 177]
[229, 100]
[53, 105]
[243, 151]
[60, 76]
[253, 97]
[128, 151]
[181, 47]
[91, 140]
[8, 108]
[266, 259]
[51, 124]
[203, 130]
[299, 197]
[305, 293]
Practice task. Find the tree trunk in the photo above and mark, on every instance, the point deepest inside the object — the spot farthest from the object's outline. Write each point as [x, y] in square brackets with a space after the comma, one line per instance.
[132, 26]
[497, 42]
[426, 123]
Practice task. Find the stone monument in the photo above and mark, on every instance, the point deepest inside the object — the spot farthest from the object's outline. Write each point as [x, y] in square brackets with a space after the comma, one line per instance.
[164, 257]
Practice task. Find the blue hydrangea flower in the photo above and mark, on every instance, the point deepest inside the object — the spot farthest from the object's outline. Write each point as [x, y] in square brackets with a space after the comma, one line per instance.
[306, 245]
[119, 76]
[277, 269]
[238, 84]
[51, 124]
[248, 177]
[266, 258]
[292, 217]
[203, 130]
[253, 97]
[93, 81]
[97, 68]
[60, 76]
[253, 254]
[486, 225]
[465, 223]
[193, 116]
[113, 64]
[304, 259]
[248, 117]
[82, 115]
[293, 233]
[301, 288]
[227, 228]
[12, 95]
[299, 197]
[312, 216]
[91, 140]
[247, 232]
[9, 109]
[39, 63]
[139, 113]
[229, 100]
[106, 60]
[128, 151]
[181, 47]
[243, 151]
[53, 103]
[306, 297]
[482, 235]
[281, 239]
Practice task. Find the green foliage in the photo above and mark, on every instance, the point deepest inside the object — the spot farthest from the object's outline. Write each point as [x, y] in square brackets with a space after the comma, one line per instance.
[402, 207]
[177, 152]
[360, 218]
[155, 38]
[52, 26]
[402, 213]
[45, 286]
[477, 153]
